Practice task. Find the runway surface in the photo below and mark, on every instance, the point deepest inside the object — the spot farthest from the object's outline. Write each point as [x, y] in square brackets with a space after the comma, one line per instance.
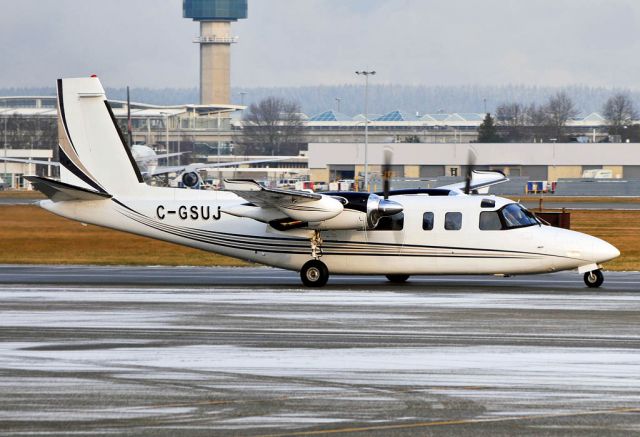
[209, 351]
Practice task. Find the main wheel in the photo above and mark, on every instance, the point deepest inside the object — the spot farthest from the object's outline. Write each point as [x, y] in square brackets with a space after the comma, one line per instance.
[594, 279]
[397, 279]
[314, 273]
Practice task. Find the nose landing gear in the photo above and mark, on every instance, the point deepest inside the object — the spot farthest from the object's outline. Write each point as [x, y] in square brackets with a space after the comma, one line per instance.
[594, 279]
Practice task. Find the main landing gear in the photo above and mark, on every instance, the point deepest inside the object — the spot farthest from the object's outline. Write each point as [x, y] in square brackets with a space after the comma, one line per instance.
[594, 279]
[314, 273]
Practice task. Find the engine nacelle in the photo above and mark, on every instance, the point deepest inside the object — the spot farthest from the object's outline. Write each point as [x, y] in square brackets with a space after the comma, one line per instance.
[361, 211]
[348, 219]
[190, 179]
[319, 210]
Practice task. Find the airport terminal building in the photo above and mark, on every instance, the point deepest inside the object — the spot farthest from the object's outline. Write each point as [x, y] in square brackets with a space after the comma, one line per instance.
[336, 149]
[533, 161]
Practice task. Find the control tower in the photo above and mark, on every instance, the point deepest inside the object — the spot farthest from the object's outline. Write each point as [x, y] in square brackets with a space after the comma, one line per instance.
[215, 17]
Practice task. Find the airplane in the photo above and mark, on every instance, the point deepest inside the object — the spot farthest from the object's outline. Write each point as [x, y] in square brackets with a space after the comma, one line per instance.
[147, 160]
[398, 233]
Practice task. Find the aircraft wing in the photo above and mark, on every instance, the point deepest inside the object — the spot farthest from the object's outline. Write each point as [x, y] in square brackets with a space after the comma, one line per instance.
[480, 180]
[30, 161]
[199, 166]
[297, 205]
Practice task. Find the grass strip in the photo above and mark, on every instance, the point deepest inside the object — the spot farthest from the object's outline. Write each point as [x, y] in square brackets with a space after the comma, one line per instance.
[31, 235]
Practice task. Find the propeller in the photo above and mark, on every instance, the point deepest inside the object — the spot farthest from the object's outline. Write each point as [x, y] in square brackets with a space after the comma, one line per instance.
[378, 207]
[386, 173]
[471, 163]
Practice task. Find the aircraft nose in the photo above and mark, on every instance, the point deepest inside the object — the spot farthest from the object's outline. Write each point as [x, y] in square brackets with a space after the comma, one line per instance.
[604, 251]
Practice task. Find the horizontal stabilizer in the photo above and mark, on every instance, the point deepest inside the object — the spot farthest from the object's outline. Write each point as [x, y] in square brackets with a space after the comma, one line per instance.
[480, 179]
[59, 191]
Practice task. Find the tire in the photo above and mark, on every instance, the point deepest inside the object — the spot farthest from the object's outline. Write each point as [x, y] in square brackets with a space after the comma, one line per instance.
[314, 273]
[594, 279]
[397, 279]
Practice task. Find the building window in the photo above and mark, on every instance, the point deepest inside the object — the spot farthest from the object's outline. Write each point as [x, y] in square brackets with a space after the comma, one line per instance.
[427, 221]
[453, 221]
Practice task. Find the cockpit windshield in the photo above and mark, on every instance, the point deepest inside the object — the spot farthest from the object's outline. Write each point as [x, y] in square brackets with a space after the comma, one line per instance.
[511, 216]
[515, 215]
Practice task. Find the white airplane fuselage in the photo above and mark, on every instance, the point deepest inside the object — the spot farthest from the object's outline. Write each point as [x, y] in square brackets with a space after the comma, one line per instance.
[196, 219]
[429, 232]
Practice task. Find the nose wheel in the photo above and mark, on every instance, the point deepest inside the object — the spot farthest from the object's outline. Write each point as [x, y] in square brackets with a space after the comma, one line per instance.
[314, 273]
[594, 279]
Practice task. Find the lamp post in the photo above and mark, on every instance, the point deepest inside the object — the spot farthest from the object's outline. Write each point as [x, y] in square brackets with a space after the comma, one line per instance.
[338, 100]
[5, 147]
[166, 133]
[366, 75]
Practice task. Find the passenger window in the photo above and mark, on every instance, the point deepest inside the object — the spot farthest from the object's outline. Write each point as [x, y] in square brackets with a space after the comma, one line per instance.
[453, 221]
[391, 223]
[427, 221]
[490, 221]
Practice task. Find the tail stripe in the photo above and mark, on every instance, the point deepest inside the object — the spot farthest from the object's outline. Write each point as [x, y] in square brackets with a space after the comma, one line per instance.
[68, 153]
[62, 115]
[69, 165]
[124, 143]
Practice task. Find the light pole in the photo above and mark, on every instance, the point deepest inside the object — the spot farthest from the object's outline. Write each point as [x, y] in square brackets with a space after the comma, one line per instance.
[166, 133]
[5, 146]
[366, 75]
[338, 100]
[242, 94]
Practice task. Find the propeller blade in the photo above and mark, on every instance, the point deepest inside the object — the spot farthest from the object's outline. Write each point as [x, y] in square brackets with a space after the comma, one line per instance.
[471, 163]
[386, 173]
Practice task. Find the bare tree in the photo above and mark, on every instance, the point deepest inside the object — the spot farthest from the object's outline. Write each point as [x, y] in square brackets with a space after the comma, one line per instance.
[511, 114]
[558, 110]
[511, 119]
[272, 126]
[619, 111]
[535, 115]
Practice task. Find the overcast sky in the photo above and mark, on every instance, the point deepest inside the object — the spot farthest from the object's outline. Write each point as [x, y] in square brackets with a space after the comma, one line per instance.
[309, 42]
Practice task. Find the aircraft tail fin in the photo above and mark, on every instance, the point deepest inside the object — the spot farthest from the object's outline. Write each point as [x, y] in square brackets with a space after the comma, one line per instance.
[59, 191]
[93, 153]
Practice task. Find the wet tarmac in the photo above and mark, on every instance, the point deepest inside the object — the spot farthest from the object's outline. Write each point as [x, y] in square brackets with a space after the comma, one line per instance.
[196, 351]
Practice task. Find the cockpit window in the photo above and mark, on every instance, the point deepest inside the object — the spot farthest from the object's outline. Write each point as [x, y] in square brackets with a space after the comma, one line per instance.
[516, 216]
[511, 216]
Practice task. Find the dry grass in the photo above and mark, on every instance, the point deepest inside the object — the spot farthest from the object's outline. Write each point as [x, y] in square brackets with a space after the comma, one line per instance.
[16, 194]
[620, 228]
[29, 234]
